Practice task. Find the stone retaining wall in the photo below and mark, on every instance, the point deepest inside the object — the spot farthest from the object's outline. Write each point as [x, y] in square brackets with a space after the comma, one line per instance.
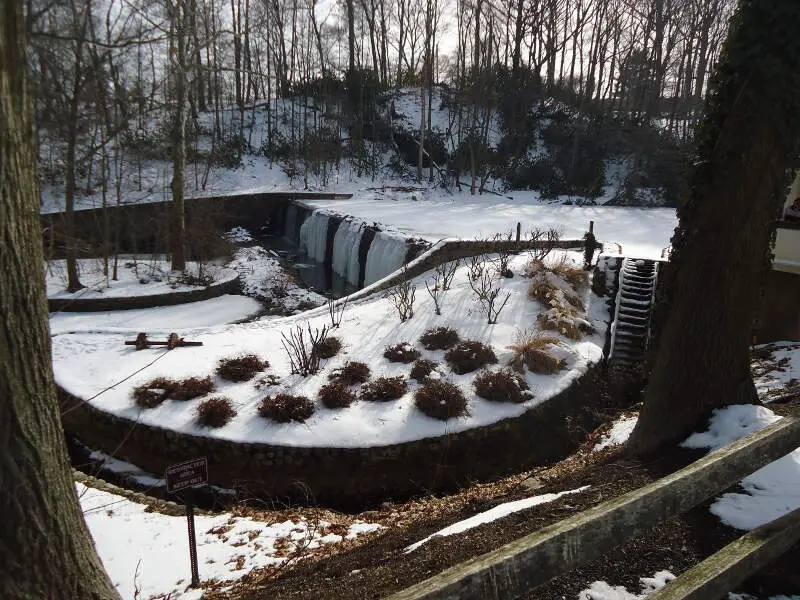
[78, 304]
[351, 478]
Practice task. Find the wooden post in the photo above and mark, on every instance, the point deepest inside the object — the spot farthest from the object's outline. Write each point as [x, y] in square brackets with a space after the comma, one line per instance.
[519, 231]
[192, 544]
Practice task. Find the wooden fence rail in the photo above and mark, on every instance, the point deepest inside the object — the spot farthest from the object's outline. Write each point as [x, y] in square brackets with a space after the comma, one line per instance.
[523, 564]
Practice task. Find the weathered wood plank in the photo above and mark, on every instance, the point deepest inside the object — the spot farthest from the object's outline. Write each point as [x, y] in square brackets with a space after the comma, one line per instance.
[722, 572]
[536, 558]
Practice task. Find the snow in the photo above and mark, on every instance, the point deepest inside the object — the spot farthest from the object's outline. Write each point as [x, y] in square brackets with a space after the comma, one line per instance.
[435, 214]
[493, 514]
[770, 492]
[600, 590]
[146, 553]
[386, 254]
[345, 250]
[136, 277]
[206, 313]
[264, 277]
[620, 432]
[87, 363]
[783, 369]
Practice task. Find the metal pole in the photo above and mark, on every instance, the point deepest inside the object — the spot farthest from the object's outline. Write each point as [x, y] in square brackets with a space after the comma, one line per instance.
[192, 544]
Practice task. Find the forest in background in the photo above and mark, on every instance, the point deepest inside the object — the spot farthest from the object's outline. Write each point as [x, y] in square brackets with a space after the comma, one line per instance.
[522, 94]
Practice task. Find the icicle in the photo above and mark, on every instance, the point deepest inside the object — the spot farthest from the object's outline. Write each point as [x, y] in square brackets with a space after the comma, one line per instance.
[386, 254]
[345, 250]
[314, 235]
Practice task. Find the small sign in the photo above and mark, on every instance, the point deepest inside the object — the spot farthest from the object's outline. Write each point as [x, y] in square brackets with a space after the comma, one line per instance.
[186, 474]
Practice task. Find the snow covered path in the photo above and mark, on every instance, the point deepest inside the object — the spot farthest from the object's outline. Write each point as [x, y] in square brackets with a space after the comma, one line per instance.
[642, 232]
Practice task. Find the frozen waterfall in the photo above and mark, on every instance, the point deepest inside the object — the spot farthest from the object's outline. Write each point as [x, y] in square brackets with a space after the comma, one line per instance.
[314, 236]
[345, 250]
[386, 254]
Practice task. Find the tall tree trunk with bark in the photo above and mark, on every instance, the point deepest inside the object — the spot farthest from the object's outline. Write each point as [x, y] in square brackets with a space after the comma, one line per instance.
[178, 60]
[722, 245]
[45, 547]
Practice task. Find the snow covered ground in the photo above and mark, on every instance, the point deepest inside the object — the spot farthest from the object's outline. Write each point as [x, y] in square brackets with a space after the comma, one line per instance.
[493, 514]
[432, 214]
[135, 277]
[87, 363]
[146, 553]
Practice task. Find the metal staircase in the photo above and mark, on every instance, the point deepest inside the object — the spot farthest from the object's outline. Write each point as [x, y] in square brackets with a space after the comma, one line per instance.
[630, 331]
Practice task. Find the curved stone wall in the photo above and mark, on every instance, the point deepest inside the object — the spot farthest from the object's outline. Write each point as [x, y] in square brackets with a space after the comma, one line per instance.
[129, 302]
[351, 478]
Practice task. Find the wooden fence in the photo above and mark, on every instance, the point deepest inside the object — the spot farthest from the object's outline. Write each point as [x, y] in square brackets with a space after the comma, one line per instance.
[523, 564]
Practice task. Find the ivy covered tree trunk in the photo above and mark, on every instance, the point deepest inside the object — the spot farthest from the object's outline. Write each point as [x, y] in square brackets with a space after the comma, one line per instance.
[45, 547]
[721, 248]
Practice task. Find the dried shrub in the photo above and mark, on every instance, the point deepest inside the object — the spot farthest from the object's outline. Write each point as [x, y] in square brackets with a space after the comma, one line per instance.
[284, 408]
[440, 400]
[573, 275]
[422, 368]
[241, 368]
[402, 353]
[503, 385]
[548, 293]
[154, 392]
[328, 347]
[562, 322]
[439, 338]
[469, 355]
[336, 395]
[527, 341]
[402, 296]
[192, 387]
[350, 374]
[542, 362]
[533, 268]
[384, 389]
[215, 412]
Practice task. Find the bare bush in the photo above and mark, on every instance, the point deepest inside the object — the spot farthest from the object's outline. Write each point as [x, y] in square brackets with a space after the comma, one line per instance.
[300, 346]
[488, 295]
[436, 291]
[503, 254]
[402, 296]
[546, 240]
[446, 272]
[336, 310]
[477, 266]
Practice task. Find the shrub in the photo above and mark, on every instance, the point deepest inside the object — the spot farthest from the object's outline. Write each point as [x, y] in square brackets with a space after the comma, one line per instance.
[192, 387]
[336, 395]
[542, 362]
[154, 392]
[564, 323]
[328, 347]
[402, 353]
[241, 368]
[384, 389]
[350, 374]
[469, 355]
[439, 338]
[284, 408]
[530, 341]
[422, 369]
[503, 385]
[215, 412]
[440, 400]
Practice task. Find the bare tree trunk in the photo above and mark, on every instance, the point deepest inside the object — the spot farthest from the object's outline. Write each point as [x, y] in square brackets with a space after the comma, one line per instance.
[722, 245]
[178, 58]
[45, 547]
